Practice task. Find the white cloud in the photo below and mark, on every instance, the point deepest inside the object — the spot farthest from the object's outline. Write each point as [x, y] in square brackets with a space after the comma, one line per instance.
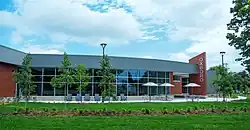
[38, 49]
[203, 22]
[69, 20]
[16, 37]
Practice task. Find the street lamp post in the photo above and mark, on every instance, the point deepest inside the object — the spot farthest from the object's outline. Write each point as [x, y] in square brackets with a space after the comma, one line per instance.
[222, 57]
[103, 48]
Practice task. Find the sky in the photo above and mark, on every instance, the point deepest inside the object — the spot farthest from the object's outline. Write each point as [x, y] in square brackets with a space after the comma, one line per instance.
[157, 29]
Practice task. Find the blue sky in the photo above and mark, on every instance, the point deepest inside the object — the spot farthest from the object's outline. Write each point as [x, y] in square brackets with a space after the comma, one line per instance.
[161, 29]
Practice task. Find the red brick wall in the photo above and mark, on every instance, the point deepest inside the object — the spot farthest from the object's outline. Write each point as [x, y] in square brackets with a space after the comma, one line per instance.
[7, 85]
[201, 77]
[177, 89]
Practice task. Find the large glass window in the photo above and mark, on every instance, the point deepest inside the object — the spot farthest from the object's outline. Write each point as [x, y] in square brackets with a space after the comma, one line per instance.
[143, 90]
[132, 89]
[153, 74]
[153, 90]
[167, 75]
[36, 71]
[97, 89]
[161, 74]
[49, 71]
[143, 80]
[121, 89]
[60, 91]
[176, 77]
[122, 73]
[154, 80]
[160, 81]
[143, 73]
[97, 79]
[38, 89]
[47, 78]
[122, 80]
[96, 72]
[72, 89]
[37, 78]
[48, 90]
[161, 90]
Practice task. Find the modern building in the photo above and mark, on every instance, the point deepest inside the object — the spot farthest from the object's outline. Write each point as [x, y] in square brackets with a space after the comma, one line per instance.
[130, 73]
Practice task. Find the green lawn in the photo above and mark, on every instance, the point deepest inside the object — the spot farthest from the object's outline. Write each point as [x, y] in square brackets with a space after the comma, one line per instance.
[128, 106]
[215, 121]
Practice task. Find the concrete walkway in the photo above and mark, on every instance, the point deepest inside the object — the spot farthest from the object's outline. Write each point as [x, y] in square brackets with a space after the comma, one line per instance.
[209, 99]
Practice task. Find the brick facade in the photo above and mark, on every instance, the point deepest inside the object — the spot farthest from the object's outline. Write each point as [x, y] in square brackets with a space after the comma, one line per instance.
[7, 85]
[201, 77]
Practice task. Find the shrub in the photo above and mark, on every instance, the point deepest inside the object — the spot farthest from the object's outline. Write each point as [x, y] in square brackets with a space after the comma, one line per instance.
[164, 111]
[75, 109]
[104, 109]
[245, 109]
[189, 109]
[196, 108]
[225, 109]
[45, 109]
[21, 110]
[177, 111]
[234, 109]
[54, 109]
[80, 112]
[145, 111]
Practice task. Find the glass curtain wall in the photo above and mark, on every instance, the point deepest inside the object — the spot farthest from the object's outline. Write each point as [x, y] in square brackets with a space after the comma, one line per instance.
[127, 82]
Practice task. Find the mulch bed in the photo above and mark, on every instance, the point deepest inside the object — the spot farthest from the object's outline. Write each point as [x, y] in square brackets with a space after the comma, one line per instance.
[144, 112]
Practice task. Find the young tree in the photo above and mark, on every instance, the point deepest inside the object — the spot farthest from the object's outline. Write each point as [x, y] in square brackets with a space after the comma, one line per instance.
[65, 78]
[107, 77]
[239, 27]
[23, 78]
[82, 77]
[222, 81]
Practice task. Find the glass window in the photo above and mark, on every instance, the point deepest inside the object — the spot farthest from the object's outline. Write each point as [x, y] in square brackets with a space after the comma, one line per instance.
[72, 89]
[96, 72]
[122, 80]
[161, 74]
[97, 89]
[153, 90]
[97, 79]
[49, 71]
[121, 89]
[161, 90]
[60, 91]
[154, 80]
[132, 80]
[36, 71]
[47, 78]
[153, 74]
[122, 73]
[37, 78]
[48, 90]
[176, 78]
[143, 80]
[167, 75]
[37, 91]
[132, 89]
[143, 73]
[88, 89]
[143, 90]
[160, 81]
[133, 73]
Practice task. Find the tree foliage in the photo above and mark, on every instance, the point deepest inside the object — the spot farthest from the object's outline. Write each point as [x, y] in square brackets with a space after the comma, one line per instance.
[82, 77]
[107, 77]
[239, 27]
[222, 81]
[23, 78]
[65, 78]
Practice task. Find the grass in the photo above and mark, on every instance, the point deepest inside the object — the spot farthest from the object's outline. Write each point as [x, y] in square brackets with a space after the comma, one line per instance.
[215, 121]
[128, 106]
